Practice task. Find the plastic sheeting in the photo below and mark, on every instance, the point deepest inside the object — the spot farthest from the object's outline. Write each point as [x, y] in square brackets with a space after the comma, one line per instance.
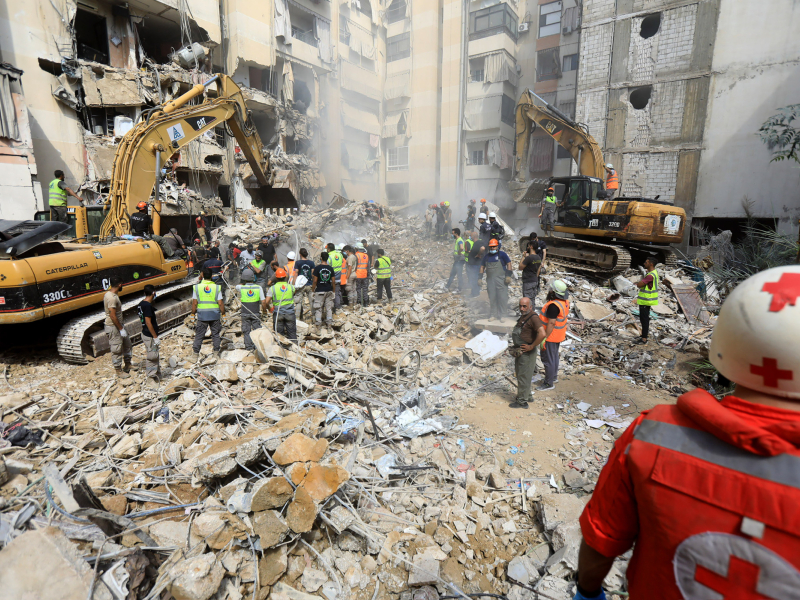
[9, 127]
[322, 31]
[283, 23]
[483, 113]
[360, 119]
[288, 82]
[398, 85]
[498, 67]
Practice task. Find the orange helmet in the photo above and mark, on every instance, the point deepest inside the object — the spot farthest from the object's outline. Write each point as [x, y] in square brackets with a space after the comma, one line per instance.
[550, 189]
[493, 243]
[483, 200]
[279, 272]
[141, 205]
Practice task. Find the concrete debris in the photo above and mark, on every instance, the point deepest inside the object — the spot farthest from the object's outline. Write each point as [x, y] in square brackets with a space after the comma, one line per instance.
[196, 578]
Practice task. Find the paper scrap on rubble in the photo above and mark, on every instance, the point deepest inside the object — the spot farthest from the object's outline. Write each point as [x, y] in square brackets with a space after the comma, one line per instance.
[595, 423]
[486, 345]
[553, 482]
[598, 423]
[583, 406]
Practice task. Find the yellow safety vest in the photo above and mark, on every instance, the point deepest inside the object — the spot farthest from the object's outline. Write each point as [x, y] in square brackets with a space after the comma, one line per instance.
[551, 199]
[206, 292]
[456, 251]
[260, 266]
[250, 293]
[58, 197]
[648, 295]
[336, 259]
[283, 294]
[385, 268]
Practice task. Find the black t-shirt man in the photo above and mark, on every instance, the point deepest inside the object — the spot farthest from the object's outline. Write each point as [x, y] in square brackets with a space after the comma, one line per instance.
[140, 223]
[539, 247]
[305, 268]
[324, 275]
[146, 310]
[531, 270]
[474, 257]
[267, 251]
[214, 252]
[215, 265]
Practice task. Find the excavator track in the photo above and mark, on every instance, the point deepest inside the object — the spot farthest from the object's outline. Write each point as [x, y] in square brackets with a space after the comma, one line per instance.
[585, 261]
[73, 344]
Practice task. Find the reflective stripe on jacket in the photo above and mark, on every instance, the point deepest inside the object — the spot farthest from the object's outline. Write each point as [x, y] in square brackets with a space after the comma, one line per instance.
[282, 294]
[207, 306]
[648, 295]
[57, 196]
[559, 333]
[336, 259]
[612, 180]
[385, 268]
[362, 266]
[458, 252]
[250, 292]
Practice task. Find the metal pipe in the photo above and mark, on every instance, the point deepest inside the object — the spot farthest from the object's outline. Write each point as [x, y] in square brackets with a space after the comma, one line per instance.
[157, 199]
[553, 109]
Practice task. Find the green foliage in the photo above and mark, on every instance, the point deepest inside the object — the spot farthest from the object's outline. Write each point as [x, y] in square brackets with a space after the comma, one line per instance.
[780, 136]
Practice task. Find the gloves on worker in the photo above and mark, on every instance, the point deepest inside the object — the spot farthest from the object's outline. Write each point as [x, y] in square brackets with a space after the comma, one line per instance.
[123, 333]
[157, 342]
[600, 596]
[508, 280]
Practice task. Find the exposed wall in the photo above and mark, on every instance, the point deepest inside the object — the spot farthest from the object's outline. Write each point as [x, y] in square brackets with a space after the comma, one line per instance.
[751, 81]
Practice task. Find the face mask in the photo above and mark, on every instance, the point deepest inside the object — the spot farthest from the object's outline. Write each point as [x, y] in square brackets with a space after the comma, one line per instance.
[492, 251]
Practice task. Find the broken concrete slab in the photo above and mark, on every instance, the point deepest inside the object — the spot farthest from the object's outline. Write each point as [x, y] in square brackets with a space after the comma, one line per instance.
[522, 569]
[281, 591]
[302, 511]
[300, 448]
[559, 508]
[67, 575]
[196, 578]
[270, 493]
[590, 311]
[322, 482]
[272, 565]
[269, 527]
[425, 571]
[504, 326]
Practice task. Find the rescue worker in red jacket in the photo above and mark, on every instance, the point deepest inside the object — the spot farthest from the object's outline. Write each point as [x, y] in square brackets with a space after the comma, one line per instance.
[708, 491]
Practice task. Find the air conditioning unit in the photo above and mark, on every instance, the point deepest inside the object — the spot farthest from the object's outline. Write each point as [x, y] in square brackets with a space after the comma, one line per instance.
[566, 30]
[523, 27]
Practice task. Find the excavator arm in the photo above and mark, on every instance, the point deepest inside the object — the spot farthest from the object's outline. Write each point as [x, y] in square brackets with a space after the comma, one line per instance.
[163, 131]
[573, 137]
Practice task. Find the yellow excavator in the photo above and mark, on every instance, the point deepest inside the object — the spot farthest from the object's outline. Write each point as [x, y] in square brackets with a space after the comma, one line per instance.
[607, 234]
[41, 277]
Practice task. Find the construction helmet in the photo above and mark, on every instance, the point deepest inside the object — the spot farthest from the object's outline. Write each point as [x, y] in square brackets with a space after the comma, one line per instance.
[259, 253]
[559, 287]
[550, 190]
[483, 200]
[482, 216]
[142, 206]
[202, 212]
[609, 166]
[279, 272]
[447, 203]
[492, 215]
[248, 275]
[493, 243]
[290, 256]
[472, 201]
[441, 203]
[764, 310]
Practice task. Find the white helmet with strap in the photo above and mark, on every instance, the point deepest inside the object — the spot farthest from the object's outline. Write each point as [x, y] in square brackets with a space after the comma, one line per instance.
[755, 341]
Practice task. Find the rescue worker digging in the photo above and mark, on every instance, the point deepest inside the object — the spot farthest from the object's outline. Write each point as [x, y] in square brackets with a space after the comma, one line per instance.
[281, 296]
[336, 259]
[527, 335]
[253, 304]
[208, 307]
[495, 265]
[648, 296]
[705, 491]
[555, 313]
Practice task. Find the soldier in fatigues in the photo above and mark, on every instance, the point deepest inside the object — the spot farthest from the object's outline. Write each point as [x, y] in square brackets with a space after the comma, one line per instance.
[253, 303]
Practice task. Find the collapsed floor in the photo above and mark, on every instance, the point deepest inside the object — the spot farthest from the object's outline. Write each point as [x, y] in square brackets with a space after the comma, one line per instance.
[378, 459]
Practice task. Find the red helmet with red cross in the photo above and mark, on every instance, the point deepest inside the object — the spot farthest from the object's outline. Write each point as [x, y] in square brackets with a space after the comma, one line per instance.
[755, 341]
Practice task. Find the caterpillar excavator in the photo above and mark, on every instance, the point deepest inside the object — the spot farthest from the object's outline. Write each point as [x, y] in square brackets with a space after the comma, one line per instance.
[41, 277]
[606, 234]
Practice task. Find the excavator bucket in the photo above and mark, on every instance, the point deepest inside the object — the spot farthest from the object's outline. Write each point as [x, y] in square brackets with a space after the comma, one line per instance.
[530, 192]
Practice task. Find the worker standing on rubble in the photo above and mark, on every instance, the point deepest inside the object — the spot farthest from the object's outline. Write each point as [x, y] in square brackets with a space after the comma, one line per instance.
[538, 246]
[549, 205]
[555, 313]
[281, 296]
[484, 230]
[336, 259]
[118, 338]
[440, 221]
[474, 259]
[140, 221]
[703, 490]
[527, 335]
[362, 276]
[323, 290]
[383, 275]
[429, 212]
[259, 267]
[350, 274]
[214, 251]
[458, 259]
[246, 256]
[209, 309]
[496, 230]
[200, 224]
[57, 196]
[612, 181]
[648, 296]
[147, 317]
[495, 265]
[448, 218]
[253, 303]
[531, 265]
[470, 223]
[302, 277]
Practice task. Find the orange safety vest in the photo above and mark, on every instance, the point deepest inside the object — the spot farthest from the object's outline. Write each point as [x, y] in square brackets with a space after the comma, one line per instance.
[612, 181]
[559, 333]
[289, 268]
[362, 265]
[710, 497]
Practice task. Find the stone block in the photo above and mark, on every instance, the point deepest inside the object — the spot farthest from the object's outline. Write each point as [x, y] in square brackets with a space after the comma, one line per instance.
[196, 578]
[213, 528]
[425, 571]
[302, 512]
[269, 527]
[300, 448]
[522, 569]
[272, 565]
[271, 493]
[321, 482]
[559, 508]
[159, 432]
[127, 446]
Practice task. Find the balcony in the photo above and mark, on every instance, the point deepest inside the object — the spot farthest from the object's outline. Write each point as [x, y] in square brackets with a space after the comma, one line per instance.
[486, 22]
[307, 37]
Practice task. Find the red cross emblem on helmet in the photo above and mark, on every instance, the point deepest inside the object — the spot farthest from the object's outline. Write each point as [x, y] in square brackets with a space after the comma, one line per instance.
[721, 565]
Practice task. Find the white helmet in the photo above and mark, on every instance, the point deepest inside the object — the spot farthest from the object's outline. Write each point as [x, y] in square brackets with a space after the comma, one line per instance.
[609, 166]
[764, 310]
[290, 256]
[482, 216]
[492, 215]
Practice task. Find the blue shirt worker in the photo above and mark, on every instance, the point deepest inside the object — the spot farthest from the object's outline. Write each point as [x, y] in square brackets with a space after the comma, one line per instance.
[254, 302]
[209, 308]
[281, 296]
[498, 276]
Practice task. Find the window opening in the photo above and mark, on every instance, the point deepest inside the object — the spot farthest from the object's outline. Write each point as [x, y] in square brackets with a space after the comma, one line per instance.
[549, 19]
[91, 36]
[640, 97]
[650, 25]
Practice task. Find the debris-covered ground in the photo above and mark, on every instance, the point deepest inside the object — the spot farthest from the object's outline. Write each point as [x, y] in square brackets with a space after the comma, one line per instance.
[378, 459]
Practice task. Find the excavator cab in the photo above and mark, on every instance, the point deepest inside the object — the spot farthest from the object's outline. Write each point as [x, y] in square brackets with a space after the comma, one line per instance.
[84, 222]
[579, 197]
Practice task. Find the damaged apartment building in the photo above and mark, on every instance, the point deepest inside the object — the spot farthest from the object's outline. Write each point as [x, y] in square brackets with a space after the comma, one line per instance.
[675, 93]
